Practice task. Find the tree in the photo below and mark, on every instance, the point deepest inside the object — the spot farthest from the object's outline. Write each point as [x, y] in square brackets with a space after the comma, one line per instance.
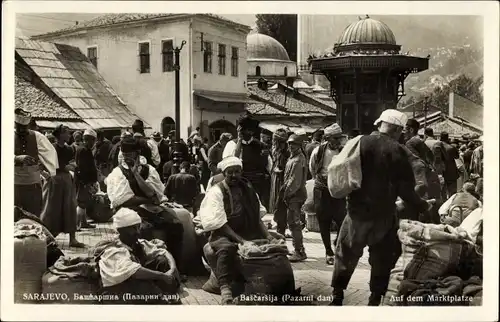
[461, 85]
[283, 28]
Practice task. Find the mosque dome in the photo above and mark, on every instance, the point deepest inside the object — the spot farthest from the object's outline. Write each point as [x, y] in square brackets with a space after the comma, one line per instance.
[367, 31]
[260, 46]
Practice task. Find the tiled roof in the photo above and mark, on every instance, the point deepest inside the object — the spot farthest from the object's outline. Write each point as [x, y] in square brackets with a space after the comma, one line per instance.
[41, 106]
[453, 126]
[293, 105]
[118, 18]
[73, 78]
[263, 109]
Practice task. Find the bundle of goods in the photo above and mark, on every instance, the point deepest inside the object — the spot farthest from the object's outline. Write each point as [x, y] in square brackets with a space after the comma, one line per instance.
[308, 208]
[30, 262]
[266, 273]
[22, 217]
[76, 280]
[424, 273]
[99, 210]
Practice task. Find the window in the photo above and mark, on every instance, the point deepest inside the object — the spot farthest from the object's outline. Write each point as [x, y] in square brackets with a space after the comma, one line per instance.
[257, 71]
[222, 59]
[234, 61]
[167, 53]
[92, 55]
[286, 72]
[207, 57]
[144, 58]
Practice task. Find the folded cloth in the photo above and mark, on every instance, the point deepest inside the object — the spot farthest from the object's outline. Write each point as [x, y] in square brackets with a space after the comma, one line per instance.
[431, 292]
[412, 232]
[262, 248]
[27, 230]
[75, 267]
[472, 286]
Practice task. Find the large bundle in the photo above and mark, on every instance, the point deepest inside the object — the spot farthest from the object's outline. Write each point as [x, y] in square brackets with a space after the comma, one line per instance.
[30, 262]
[191, 252]
[429, 251]
[309, 204]
[71, 276]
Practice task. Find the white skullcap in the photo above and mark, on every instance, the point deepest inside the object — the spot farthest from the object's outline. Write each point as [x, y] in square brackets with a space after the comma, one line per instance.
[126, 217]
[90, 132]
[229, 162]
[333, 130]
[393, 117]
[300, 132]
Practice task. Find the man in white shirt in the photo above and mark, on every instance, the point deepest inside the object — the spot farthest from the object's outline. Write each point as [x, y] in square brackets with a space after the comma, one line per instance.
[327, 208]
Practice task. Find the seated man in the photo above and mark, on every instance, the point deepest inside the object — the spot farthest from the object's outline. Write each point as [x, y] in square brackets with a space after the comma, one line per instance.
[136, 185]
[182, 187]
[231, 211]
[459, 206]
[129, 265]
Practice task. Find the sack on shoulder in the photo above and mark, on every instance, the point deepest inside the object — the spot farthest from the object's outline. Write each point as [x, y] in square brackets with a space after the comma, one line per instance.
[344, 172]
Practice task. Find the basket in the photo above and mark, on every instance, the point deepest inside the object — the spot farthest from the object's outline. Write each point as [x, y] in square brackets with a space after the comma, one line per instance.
[312, 222]
[30, 262]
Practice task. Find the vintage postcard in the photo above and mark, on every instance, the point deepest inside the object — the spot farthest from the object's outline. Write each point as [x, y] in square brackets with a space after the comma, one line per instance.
[249, 161]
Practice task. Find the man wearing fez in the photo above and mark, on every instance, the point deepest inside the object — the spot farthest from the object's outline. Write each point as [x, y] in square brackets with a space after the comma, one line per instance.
[35, 157]
[257, 164]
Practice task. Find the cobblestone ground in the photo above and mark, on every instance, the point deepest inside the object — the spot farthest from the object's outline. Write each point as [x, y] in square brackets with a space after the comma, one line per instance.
[312, 276]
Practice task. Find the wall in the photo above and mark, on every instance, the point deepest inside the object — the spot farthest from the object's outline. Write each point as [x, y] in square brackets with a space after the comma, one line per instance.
[218, 34]
[150, 95]
[272, 68]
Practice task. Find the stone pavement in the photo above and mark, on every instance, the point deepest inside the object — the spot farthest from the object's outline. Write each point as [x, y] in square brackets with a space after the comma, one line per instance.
[312, 276]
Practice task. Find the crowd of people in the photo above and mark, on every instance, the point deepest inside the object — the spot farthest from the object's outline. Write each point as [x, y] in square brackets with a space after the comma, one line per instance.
[232, 184]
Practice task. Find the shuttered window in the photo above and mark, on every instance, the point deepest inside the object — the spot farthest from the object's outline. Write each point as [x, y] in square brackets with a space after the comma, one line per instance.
[144, 58]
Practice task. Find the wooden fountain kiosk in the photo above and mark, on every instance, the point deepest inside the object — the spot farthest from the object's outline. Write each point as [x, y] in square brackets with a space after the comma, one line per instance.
[366, 71]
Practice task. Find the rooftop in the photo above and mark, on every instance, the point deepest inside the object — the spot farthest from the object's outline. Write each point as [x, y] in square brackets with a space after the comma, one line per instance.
[68, 73]
[367, 31]
[260, 46]
[113, 19]
[38, 103]
[292, 106]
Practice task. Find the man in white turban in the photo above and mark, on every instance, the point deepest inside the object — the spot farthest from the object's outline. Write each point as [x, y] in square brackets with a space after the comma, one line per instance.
[371, 210]
[142, 270]
[34, 157]
[327, 208]
[231, 211]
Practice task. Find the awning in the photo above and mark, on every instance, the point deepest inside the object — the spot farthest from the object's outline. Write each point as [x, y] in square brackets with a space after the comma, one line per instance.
[224, 97]
[73, 125]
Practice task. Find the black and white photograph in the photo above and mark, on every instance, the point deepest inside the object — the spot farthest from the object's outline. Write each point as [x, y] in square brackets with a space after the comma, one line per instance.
[286, 156]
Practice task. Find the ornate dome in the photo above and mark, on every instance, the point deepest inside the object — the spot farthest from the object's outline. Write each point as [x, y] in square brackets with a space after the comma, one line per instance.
[367, 31]
[260, 46]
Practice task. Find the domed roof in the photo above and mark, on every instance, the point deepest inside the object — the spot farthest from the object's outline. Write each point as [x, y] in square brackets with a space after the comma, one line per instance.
[367, 31]
[260, 46]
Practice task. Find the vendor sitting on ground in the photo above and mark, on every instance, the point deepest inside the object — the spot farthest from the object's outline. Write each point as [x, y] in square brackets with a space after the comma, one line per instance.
[232, 212]
[459, 206]
[129, 265]
[136, 185]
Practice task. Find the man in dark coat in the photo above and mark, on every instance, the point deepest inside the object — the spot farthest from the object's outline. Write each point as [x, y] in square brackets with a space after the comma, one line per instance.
[371, 210]
[451, 173]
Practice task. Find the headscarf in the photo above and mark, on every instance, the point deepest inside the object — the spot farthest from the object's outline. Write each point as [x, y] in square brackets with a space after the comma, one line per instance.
[126, 217]
[393, 117]
[229, 162]
[333, 130]
[76, 133]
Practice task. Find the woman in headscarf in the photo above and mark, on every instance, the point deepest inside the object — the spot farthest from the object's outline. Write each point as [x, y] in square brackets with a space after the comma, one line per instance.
[59, 193]
[280, 156]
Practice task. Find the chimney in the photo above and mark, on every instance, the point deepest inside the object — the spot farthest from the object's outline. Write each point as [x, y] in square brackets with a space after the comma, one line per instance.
[451, 104]
[262, 84]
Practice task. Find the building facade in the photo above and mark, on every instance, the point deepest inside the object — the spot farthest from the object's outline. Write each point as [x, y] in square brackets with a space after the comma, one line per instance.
[134, 53]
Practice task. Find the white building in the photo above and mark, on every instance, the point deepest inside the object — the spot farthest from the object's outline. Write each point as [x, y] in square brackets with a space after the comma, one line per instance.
[134, 53]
